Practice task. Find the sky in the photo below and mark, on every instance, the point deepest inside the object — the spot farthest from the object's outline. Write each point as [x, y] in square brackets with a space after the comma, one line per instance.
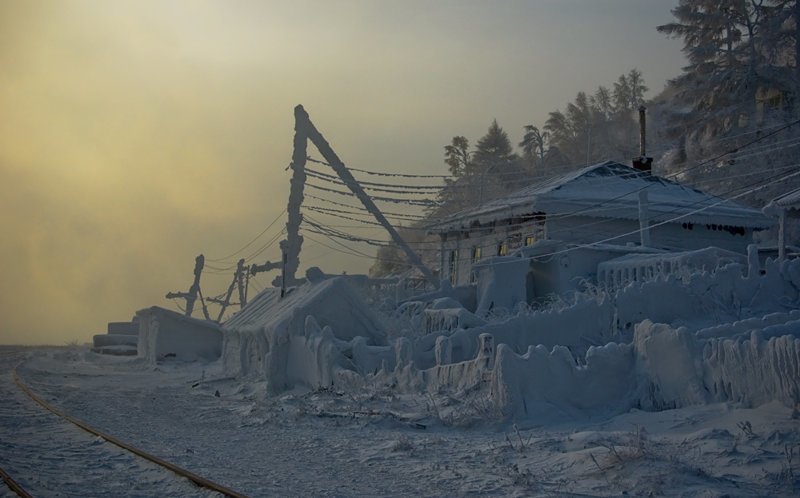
[136, 135]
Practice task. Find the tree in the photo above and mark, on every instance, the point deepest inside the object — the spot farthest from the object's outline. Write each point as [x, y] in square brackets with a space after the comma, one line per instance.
[534, 144]
[457, 156]
[602, 104]
[728, 45]
[494, 148]
[495, 156]
[559, 129]
[629, 92]
[742, 76]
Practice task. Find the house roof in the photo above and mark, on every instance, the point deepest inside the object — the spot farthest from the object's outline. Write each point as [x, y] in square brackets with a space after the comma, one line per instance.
[610, 190]
[332, 302]
[158, 310]
[789, 200]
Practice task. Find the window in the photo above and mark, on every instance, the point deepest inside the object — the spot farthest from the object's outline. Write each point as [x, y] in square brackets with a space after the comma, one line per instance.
[453, 266]
[476, 254]
[529, 240]
[502, 248]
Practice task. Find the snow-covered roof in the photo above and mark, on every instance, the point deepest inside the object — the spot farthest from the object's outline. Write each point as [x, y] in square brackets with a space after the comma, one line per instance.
[789, 200]
[610, 190]
[331, 302]
[158, 310]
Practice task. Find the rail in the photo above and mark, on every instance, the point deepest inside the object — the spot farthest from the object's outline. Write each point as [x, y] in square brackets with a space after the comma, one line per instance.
[196, 479]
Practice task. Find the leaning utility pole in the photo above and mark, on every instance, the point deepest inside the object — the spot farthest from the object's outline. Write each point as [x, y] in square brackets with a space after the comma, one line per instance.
[194, 290]
[305, 129]
[224, 303]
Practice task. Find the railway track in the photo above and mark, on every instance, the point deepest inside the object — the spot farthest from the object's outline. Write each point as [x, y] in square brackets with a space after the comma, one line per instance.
[45, 452]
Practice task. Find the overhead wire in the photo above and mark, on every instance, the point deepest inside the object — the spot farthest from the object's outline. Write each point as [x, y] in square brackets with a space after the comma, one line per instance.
[217, 260]
[378, 173]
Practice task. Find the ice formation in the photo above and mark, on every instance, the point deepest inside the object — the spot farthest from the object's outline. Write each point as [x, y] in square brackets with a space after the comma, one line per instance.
[271, 339]
[604, 353]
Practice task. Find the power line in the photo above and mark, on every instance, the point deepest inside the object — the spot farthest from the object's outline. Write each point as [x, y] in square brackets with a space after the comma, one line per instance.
[365, 184]
[414, 202]
[218, 260]
[378, 173]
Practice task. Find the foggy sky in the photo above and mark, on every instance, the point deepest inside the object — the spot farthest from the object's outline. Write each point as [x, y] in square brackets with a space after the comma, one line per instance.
[136, 135]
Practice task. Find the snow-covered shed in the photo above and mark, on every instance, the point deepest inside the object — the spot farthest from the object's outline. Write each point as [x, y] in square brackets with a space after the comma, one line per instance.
[268, 337]
[164, 333]
[606, 202]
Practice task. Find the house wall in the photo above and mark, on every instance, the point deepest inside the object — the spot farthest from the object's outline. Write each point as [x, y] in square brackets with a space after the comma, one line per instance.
[671, 236]
[489, 242]
[458, 248]
[163, 333]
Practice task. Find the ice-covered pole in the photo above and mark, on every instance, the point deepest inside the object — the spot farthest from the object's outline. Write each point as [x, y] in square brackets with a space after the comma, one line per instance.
[237, 278]
[642, 131]
[191, 296]
[644, 218]
[333, 160]
[642, 162]
[294, 241]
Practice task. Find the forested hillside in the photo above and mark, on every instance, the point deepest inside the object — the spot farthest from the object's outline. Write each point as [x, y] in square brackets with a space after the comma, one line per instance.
[728, 124]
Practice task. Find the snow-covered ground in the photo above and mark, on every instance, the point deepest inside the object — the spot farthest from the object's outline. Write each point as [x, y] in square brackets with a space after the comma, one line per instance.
[681, 383]
[49, 456]
[373, 443]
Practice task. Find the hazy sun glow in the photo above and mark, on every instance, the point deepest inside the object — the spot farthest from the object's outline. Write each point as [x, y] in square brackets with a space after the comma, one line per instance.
[136, 135]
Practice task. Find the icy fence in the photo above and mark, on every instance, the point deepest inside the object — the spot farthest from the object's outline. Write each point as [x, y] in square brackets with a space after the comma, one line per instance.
[663, 368]
[727, 295]
[543, 382]
[577, 327]
[700, 299]
[680, 369]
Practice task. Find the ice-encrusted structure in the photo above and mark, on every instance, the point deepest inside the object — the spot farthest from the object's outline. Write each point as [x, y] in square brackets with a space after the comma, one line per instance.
[690, 338]
[166, 334]
[272, 339]
[618, 272]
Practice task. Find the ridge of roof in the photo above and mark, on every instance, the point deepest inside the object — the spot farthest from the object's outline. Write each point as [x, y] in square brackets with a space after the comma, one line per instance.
[545, 192]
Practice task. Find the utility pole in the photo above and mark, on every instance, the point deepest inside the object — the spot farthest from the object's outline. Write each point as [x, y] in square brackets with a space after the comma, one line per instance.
[240, 274]
[294, 241]
[255, 269]
[305, 128]
[224, 303]
[283, 274]
[194, 290]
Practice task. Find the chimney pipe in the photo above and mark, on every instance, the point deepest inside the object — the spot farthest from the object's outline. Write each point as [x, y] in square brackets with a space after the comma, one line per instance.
[643, 163]
[642, 131]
